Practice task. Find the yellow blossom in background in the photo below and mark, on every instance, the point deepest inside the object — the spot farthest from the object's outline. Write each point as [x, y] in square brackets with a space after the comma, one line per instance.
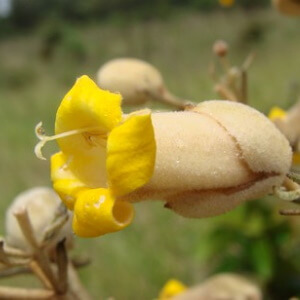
[104, 156]
[226, 3]
[172, 288]
[296, 158]
[276, 113]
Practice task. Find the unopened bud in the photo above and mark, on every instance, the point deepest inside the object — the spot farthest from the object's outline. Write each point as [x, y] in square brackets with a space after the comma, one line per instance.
[220, 48]
[41, 204]
[215, 156]
[222, 286]
[136, 80]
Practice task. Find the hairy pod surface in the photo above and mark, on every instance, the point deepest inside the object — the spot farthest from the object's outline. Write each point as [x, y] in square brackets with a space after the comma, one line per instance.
[289, 125]
[41, 204]
[222, 286]
[213, 157]
[136, 80]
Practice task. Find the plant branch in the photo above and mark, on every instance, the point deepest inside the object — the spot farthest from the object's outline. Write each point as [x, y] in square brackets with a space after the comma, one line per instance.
[24, 222]
[36, 269]
[21, 293]
[75, 285]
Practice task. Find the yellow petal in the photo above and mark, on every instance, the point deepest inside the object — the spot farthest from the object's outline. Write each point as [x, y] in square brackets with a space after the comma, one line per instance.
[91, 170]
[86, 106]
[276, 113]
[172, 288]
[296, 158]
[96, 213]
[131, 152]
[64, 182]
[82, 229]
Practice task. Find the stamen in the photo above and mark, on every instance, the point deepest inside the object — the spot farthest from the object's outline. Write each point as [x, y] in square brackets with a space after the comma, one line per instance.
[40, 133]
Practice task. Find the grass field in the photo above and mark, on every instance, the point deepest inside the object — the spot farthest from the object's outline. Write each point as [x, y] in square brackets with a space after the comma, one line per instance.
[135, 263]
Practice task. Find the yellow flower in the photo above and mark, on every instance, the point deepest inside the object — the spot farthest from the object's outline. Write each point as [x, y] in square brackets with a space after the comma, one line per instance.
[201, 162]
[226, 3]
[276, 113]
[296, 158]
[172, 288]
[104, 156]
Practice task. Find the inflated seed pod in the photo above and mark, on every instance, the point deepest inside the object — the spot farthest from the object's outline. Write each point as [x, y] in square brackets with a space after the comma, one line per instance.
[213, 157]
[41, 204]
[288, 7]
[137, 81]
[222, 286]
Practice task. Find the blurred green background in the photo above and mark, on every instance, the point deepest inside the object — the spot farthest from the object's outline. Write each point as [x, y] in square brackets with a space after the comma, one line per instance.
[45, 45]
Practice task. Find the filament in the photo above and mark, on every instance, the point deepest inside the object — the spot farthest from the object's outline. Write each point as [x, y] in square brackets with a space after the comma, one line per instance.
[40, 133]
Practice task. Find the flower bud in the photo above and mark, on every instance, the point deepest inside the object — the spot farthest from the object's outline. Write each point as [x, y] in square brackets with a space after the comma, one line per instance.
[220, 48]
[287, 7]
[41, 204]
[213, 157]
[136, 80]
[222, 286]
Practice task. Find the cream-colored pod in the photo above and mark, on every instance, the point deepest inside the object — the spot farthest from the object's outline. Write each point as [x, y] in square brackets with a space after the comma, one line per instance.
[213, 157]
[288, 7]
[289, 125]
[137, 81]
[222, 286]
[41, 204]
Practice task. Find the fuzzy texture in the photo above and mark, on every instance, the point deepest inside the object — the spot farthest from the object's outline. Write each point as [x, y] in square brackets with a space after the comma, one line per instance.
[136, 80]
[288, 7]
[288, 123]
[222, 286]
[213, 157]
[41, 204]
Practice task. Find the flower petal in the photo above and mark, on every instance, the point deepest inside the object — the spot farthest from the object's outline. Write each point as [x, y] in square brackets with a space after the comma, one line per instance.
[64, 182]
[172, 288]
[296, 158]
[131, 152]
[96, 213]
[86, 106]
[276, 113]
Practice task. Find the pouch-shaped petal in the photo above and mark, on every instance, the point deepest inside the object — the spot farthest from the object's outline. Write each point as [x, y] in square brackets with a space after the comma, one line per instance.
[130, 154]
[64, 182]
[96, 212]
[89, 110]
